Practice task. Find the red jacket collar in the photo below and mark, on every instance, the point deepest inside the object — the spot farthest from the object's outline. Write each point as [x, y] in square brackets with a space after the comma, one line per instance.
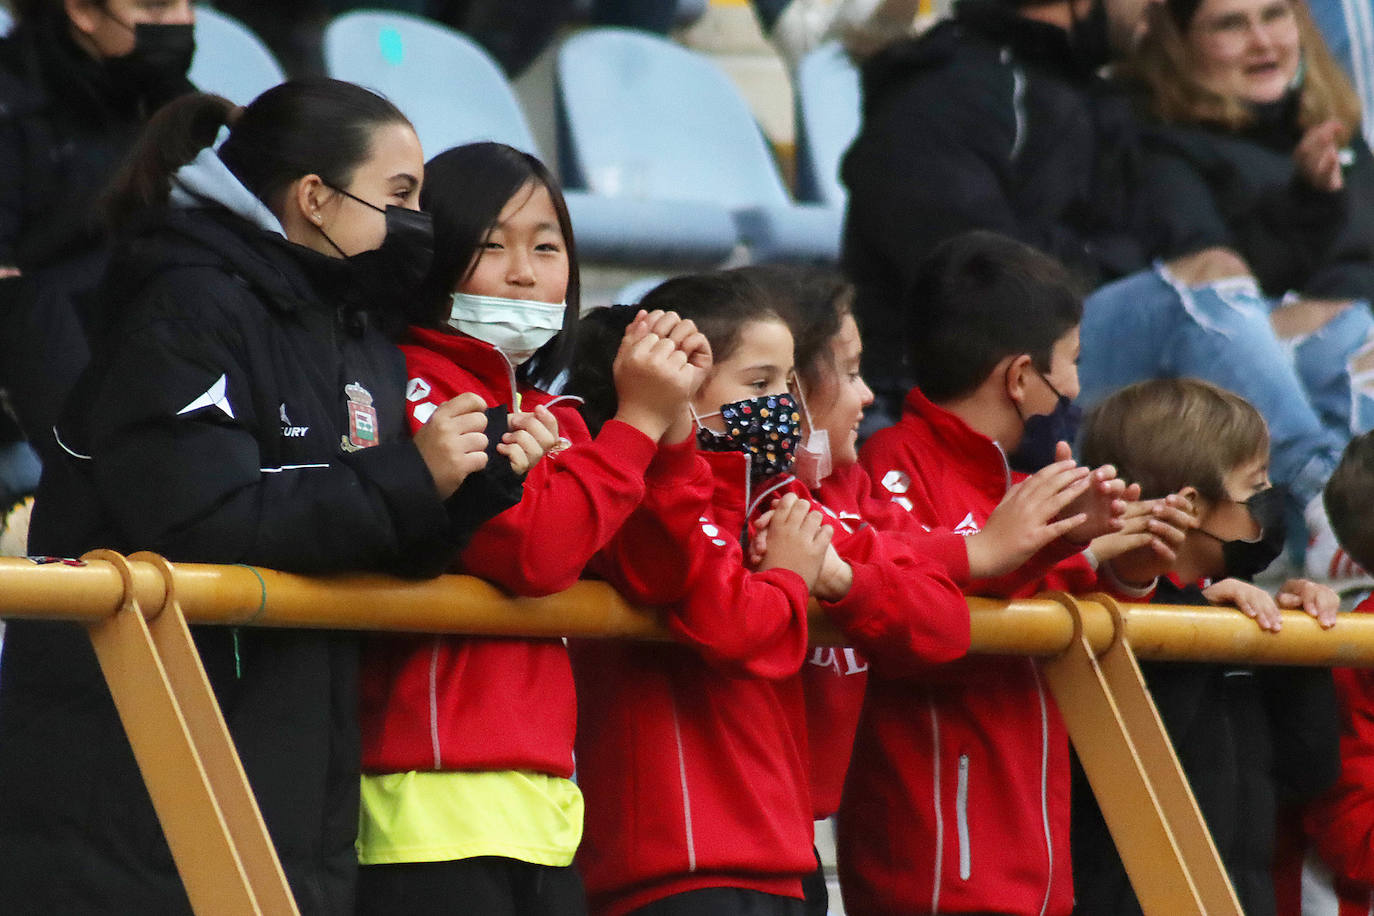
[981, 460]
[477, 357]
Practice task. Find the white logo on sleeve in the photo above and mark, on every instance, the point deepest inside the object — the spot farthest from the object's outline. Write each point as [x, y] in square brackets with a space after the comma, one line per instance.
[712, 532]
[423, 412]
[897, 483]
[215, 396]
[968, 526]
[417, 389]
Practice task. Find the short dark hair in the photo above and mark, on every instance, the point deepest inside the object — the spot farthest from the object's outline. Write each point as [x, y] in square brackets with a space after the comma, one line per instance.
[1348, 498]
[813, 301]
[465, 190]
[591, 377]
[1169, 433]
[980, 297]
[719, 302]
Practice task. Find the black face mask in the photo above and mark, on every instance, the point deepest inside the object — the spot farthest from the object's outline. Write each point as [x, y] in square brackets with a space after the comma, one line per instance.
[385, 278]
[1090, 38]
[156, 68]
[1247, 559]
[1042, 432]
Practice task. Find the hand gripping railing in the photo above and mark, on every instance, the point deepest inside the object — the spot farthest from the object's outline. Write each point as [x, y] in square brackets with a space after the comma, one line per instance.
[136, 610]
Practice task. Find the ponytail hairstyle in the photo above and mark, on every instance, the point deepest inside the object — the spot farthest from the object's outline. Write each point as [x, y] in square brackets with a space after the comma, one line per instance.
[465, 190]
[591, 375]
[311, 126]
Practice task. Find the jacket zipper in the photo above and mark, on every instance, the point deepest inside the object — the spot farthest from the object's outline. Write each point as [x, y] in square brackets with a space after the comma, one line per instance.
[686, 797]
[939, 807]
[961, 819]
[1044, 782]
[434, 702]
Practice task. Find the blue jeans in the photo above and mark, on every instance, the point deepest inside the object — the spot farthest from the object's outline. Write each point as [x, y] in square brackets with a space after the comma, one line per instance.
[1148, 326]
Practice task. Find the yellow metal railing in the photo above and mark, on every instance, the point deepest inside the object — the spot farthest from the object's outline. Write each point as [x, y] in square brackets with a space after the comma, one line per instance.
[136, 610]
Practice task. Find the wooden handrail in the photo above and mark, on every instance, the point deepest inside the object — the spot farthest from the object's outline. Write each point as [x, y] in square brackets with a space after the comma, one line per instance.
[136, 610]
[253, 596]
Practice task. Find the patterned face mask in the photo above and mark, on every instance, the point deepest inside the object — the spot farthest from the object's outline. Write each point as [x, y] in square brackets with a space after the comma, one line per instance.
[766, 428]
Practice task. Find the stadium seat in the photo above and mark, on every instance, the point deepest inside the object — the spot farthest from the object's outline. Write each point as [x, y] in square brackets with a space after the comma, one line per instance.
[449, 87]
[6, 21]
[230, 60]
[454, 93]
[643, 118]
[827, 104]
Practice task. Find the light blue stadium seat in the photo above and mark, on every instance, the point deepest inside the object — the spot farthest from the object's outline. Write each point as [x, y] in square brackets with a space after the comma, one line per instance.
[828, 113]
[622, 230]
[449, 87]
[644, 118]
[455, 93]
[230, 60]
[6, 23]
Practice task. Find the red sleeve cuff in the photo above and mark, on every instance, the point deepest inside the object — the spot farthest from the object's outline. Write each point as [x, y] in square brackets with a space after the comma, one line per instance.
[673, 462]
[628, 446]
[950, 550]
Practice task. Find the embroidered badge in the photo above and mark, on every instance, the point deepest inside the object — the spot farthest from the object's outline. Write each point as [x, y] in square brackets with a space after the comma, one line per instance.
[362, 419]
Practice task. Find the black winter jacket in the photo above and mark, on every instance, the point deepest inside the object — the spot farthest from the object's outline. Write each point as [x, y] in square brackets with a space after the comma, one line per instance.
[219, 422]
[1249, 740]
[1241, 190]
[65, 126]
[988, 121]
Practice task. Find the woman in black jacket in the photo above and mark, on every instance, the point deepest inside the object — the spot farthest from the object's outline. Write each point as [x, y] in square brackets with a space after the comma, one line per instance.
[241, 407]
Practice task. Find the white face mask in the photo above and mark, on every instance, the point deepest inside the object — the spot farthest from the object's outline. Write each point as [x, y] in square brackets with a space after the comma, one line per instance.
[812, 462]
[516, 327]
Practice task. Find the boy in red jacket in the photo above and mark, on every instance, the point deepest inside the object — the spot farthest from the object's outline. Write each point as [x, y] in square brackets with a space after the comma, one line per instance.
[1338, 879]
[957, 798]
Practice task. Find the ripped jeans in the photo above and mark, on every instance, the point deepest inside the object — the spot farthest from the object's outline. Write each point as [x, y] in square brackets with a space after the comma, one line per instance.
[1148, 326]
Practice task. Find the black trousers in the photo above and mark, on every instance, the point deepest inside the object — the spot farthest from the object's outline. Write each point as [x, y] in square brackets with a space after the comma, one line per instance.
[724, 901]
[489, 885]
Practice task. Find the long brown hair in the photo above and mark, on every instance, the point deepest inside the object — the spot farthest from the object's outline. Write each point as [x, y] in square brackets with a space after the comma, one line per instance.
[1161, 63]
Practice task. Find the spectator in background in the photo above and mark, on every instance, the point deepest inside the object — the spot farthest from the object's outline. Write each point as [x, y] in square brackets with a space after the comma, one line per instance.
[998, 119]
[1256, 149]
[78, 80]
[995, 119]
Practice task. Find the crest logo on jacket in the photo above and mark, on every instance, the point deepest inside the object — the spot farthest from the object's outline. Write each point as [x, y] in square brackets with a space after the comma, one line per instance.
[362, 419]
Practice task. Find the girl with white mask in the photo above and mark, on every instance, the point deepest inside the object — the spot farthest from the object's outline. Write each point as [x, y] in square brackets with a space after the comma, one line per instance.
[467, 743]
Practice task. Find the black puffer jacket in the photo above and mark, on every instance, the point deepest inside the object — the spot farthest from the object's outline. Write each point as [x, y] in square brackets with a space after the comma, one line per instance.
[219, 422]
[1241, 190]
[1249, 740]
[64, 128]
[988, 121]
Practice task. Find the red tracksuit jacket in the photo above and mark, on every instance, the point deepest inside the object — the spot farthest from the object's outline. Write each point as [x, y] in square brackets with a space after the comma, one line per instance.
[692, 757]
[1340, 824]
[922, 615]
[722, 731]
[958, 793]
[457, 703]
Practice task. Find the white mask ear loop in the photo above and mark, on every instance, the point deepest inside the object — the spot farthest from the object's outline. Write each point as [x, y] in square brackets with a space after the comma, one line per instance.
[698, 417]
[812, 462]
